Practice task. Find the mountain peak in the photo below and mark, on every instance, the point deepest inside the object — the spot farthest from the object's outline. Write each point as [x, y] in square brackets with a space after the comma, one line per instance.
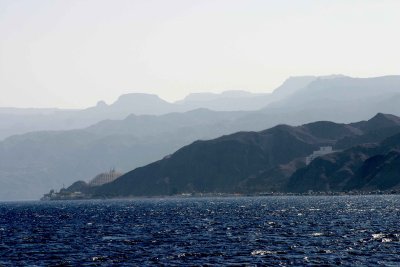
[138, 97]
[380, 120]
[382, 117]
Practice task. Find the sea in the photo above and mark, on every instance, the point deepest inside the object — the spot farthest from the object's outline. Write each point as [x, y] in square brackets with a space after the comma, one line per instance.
[212, 231]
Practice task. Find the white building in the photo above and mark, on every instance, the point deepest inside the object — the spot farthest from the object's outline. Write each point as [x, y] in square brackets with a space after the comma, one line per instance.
[322, 151]
[105, 178]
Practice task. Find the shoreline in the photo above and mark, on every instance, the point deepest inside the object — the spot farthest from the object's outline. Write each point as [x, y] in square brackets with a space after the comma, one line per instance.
[229, 195]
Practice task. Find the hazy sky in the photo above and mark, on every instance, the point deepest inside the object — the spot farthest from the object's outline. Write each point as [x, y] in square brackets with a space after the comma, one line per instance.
[70, 53]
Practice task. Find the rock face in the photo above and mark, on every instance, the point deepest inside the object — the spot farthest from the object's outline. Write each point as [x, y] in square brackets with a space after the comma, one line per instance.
[380, 172]
[249, 162]
[331, 172]
[364, 167]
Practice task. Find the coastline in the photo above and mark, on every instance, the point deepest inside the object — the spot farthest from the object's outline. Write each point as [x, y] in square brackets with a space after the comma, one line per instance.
[226, 195]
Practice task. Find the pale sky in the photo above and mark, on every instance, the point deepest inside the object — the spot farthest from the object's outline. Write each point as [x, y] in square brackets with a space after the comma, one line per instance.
[67, 53]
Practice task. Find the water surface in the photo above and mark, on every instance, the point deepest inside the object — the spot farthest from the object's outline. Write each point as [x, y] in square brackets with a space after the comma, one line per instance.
[346, 230]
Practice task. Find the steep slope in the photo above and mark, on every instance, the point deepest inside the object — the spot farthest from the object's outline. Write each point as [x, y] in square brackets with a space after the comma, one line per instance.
[291, 86]
[363, 167]
[331, 172]
[228, 163]
[380, 172]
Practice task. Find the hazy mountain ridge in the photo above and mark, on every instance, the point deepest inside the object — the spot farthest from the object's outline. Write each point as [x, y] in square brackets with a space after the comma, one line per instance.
[226, 101]
[310, 97]
[342, 86]
[19, 121]
[343, 99]
[296, 83]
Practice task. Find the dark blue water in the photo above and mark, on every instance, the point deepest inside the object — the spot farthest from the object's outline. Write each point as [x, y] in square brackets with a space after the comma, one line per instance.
[351, 230]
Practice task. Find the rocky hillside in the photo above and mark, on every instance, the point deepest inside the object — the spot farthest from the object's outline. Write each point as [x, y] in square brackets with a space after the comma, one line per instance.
[257, 162]
[363, 168]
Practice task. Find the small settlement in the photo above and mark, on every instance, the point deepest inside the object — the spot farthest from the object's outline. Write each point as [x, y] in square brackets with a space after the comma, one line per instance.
[78, 190]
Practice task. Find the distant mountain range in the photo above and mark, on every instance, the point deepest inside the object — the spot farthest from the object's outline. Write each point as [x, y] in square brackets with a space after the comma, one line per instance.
[33, 163]
[333, 95]
[18, 121]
